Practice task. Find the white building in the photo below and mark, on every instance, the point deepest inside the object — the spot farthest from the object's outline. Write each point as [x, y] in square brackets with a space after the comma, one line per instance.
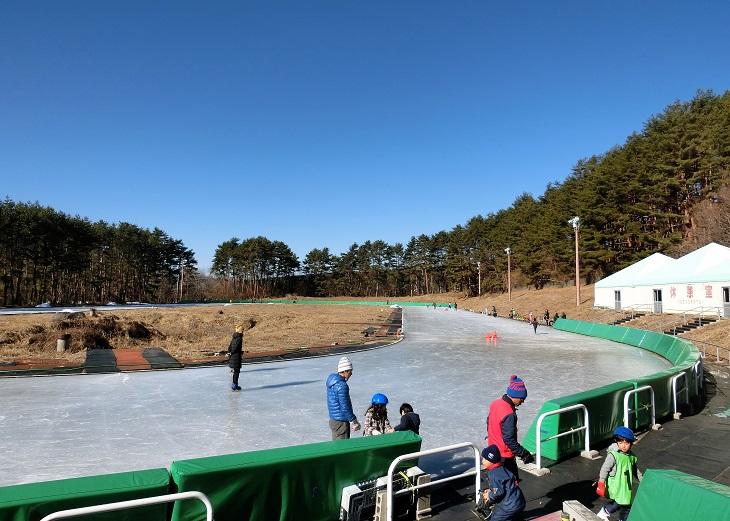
[697, 283]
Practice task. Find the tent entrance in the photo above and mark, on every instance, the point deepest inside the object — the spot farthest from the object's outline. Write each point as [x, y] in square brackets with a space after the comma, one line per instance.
[657, 301]
[726, 301]
[617, 300]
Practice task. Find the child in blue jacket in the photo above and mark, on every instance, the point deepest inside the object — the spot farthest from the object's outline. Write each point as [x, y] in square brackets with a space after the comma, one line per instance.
[504, 492]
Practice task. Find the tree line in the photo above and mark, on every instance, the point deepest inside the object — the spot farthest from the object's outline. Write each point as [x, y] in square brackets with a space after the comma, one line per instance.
[665, 189]
[49, 256]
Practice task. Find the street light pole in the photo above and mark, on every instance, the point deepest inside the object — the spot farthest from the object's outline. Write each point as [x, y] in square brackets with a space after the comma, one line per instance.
[479, 268]
[575, 221]
[508, 251]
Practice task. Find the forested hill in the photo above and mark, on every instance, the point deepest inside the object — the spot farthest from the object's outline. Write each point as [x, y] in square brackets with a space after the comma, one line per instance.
[47, 255]
[667, 188]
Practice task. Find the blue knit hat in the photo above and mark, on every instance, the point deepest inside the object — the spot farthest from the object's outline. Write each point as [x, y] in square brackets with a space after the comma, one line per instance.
[516, 388]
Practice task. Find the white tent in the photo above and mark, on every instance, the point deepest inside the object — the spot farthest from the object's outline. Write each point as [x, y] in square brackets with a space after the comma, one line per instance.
[698, 282]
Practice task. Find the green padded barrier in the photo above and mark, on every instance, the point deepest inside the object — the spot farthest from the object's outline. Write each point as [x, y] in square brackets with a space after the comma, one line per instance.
[605, 404]
[605, 412]
[670, 495]
[566, 324]
[302, 482]
[616, 333]
[33, 501]
[633, 337]
[662, 385]
[651, 342]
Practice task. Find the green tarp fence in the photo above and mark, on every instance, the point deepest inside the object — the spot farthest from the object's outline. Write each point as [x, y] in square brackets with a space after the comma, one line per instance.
[671, 495]
[605, 404]
[302, 482]
[323, 302]
[33, 501]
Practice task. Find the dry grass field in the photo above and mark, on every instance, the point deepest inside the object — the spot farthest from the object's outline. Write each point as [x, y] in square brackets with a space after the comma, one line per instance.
[187, 333]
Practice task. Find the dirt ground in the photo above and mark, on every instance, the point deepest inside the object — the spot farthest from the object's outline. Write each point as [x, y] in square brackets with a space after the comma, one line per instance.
[186, 333]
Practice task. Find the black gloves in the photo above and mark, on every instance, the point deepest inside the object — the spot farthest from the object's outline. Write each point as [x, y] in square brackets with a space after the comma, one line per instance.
[527, 458]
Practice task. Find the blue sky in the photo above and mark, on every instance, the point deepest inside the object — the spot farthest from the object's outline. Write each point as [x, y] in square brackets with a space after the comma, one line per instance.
[323, 123]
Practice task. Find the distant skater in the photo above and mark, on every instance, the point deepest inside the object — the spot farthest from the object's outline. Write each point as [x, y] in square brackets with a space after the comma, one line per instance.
[546, 317]
[235, 356]
[534, 323]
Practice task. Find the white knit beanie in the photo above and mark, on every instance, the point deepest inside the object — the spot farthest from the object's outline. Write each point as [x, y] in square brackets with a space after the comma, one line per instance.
[344, 365]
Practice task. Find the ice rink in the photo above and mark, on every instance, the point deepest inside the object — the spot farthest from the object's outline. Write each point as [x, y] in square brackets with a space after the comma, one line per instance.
[66, 426]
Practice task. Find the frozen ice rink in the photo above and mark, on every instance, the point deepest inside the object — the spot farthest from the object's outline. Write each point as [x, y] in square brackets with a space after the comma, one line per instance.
[67, 426]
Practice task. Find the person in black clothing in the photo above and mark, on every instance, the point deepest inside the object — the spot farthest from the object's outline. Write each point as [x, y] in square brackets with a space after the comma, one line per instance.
[409, 420]
[235, 356]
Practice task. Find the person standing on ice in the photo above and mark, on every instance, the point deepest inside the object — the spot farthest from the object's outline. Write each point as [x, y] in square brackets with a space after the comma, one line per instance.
[339, 404]
[502, 425]
[235, 356]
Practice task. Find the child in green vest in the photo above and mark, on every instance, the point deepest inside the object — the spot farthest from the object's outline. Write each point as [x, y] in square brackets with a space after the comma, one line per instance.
[617, 475]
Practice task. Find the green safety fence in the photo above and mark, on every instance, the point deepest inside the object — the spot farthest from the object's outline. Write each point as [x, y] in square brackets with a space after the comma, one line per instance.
[671, 495]
[323, 302]
[605, 404]
[302, 482]
[33, 501]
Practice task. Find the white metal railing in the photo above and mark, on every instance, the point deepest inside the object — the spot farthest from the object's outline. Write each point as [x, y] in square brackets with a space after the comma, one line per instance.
[702, 311]
[416, 455]
[544, 415]
[718, 358]
[675, 378]
[699, 371]
[134, 503]
[628, 394]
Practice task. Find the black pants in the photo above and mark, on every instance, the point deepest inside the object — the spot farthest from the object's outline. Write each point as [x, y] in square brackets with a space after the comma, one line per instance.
[236, 372]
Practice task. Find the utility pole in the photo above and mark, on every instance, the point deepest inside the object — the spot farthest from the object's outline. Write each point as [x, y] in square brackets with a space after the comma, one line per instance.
[508, 251]
[479, 268]
[575, 221]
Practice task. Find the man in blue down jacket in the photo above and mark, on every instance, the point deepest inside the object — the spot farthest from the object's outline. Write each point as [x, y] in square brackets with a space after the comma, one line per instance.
[338, 401]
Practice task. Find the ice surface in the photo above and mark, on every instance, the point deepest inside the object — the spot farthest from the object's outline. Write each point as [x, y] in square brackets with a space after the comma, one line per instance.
[66, 426]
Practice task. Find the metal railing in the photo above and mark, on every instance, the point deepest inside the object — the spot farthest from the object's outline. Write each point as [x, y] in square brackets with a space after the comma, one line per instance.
[675, 378]
[699, 371]
[134, 503]
[702, 311]
[725, 351]
[626, 404]
[416, 455]
[585, 427]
